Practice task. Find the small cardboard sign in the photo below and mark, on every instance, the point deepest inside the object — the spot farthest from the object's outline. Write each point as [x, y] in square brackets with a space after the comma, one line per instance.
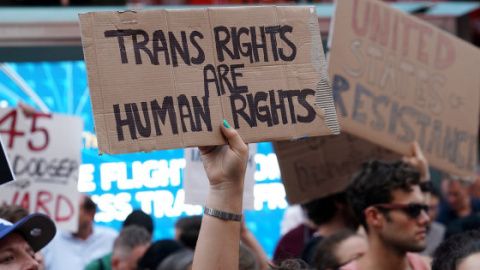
[319, 166]
[6, 173]
[165, 79]
[397, 79]
[195, 181]
[45, 153]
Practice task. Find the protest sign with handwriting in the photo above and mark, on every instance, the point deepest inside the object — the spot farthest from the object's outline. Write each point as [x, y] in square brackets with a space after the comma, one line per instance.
[165, 79]
[320, 166]
[44, 151]
[397, 79]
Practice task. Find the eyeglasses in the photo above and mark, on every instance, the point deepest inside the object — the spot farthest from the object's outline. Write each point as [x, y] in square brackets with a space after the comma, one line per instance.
[413, 209]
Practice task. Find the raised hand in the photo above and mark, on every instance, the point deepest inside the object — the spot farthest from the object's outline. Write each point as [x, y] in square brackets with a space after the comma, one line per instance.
[226, 165]
[219, 238]
[419, 161]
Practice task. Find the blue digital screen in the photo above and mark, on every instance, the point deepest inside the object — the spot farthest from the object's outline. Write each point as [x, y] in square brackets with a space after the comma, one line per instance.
[121, 183]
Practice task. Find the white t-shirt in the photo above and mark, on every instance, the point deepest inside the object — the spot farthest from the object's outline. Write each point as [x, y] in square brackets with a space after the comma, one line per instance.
[65, 252]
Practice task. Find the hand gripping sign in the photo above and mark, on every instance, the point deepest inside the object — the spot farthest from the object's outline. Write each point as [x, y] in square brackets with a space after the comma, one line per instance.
[195, 181]
[165, 79]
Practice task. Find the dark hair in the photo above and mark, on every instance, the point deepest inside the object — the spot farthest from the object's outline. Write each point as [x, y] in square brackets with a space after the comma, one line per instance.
[324, 256]
[139, 218]
[456, 248]
[13, 213]
[374, 184]
[157, 252]
[290, 264]
[322, 210]
[190, 228]
[89, 205]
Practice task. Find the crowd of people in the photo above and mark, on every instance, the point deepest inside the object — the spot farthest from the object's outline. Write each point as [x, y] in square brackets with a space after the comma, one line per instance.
[390, 217]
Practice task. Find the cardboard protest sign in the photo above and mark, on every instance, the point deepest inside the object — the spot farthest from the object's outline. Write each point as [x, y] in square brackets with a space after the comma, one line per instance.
[319, 166]
[397, 79]
[6, 173]
[44, 151]
[165, 79]
[195, 181]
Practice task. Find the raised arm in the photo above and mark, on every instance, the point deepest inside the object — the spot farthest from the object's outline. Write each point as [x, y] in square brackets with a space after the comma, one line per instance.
[219, 238]
[249, 240]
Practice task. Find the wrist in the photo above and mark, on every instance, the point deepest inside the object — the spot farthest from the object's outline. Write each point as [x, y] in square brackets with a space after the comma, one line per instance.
[227, 188]
[229, 200]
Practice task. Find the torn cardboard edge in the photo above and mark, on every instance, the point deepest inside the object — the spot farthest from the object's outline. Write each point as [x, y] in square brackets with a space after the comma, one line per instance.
[321, 100]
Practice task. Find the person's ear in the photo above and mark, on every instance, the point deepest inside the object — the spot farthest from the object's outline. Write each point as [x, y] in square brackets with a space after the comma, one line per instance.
[374, 217]
[115, 262]
[91, 214]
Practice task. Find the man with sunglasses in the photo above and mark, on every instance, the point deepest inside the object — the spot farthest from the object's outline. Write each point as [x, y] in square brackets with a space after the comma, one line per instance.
[389, 203]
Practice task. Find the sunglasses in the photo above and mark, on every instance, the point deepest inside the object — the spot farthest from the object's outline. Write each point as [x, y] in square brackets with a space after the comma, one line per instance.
[413, 210]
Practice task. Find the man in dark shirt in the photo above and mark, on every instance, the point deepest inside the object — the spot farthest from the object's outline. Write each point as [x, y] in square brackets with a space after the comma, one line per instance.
[459, 204]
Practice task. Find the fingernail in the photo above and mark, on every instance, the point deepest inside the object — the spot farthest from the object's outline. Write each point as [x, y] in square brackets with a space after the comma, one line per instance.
[294, 140]
[225, 123]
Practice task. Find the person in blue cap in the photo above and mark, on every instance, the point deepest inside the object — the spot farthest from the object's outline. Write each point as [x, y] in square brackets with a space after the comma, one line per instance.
[20, 241]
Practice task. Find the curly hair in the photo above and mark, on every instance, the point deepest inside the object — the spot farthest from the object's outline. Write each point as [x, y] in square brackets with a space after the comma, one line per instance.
[375, 181]
[456, 248]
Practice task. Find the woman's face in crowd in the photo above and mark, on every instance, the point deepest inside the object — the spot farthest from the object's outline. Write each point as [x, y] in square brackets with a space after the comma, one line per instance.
[471, 262]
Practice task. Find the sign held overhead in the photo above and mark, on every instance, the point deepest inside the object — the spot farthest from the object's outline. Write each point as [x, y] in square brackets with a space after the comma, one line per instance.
[397, 79]
[316, 167]
[165, 79]
[45, 154]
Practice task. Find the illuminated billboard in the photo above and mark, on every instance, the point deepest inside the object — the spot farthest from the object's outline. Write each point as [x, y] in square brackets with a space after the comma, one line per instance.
[151, 181]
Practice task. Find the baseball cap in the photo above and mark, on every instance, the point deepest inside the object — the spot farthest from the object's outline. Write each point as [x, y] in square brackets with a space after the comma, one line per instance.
[37, 229]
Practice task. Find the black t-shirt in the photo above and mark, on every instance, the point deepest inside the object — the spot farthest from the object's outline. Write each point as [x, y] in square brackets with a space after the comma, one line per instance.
[309, 249]
[446, 214]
